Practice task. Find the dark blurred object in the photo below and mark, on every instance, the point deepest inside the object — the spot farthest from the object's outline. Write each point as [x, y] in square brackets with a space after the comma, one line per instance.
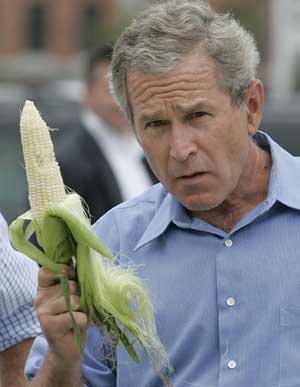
[282, 121]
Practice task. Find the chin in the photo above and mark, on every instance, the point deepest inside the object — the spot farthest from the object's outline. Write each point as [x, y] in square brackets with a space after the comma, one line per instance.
[201, 205]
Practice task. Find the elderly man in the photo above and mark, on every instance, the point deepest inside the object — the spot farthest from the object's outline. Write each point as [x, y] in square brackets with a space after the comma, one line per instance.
[217, 240]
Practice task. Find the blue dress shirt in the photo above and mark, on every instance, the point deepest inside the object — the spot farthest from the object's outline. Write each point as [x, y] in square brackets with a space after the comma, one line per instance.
[227, 304]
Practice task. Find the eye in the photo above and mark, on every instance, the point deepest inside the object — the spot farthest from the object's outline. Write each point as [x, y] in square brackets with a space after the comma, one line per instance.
[155, 124]
[198, 114]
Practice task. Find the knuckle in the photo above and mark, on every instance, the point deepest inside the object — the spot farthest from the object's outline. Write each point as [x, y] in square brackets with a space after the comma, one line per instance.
[82, 320]
[47, 324]
[75, 301]
[41, 317]
[73, 287]
[46, 278]
[41, 274]
[38, 300]
[65, 269]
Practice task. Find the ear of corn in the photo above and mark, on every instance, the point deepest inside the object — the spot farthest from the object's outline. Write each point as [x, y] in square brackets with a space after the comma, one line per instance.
[113, 295]
[45, 184]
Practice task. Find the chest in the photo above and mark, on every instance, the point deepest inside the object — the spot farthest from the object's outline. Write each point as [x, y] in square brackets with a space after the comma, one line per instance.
[227, 309]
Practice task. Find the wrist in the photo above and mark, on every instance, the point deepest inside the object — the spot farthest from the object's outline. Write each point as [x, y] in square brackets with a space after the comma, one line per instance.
[63, 363]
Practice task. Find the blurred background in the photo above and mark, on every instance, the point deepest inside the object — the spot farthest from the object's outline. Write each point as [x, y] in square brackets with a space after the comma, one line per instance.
[43, 48]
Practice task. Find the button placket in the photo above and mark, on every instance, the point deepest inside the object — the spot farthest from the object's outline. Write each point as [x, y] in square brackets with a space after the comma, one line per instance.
[228, 312]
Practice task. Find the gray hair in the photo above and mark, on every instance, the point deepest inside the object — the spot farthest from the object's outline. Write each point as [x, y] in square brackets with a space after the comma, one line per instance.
[163, 34]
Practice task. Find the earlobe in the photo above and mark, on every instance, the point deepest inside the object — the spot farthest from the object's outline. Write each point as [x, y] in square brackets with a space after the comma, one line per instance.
[254, 104]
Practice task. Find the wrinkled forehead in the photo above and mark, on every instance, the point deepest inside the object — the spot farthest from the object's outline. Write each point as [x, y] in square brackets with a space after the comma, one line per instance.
[195, 74]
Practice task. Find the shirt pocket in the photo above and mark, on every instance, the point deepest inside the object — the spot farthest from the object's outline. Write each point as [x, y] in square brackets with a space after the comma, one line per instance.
[289, 347]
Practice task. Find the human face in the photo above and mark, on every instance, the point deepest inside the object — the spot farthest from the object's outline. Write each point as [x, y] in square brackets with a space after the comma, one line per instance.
[100, 101]
[196, 141]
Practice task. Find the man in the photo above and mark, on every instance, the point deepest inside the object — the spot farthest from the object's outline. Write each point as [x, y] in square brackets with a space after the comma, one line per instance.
[217, 242]
[100, 159]
[18, 321]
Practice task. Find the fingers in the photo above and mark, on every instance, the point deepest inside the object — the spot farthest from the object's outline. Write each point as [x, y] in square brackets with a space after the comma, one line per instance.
[59, 331]
[56, 290]
[50, 298]
[53, 314]
[64, 320]
[46, 278]
[57, 305]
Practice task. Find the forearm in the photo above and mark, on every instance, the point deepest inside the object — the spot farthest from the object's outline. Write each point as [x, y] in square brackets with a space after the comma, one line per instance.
[12, 363]
[55, 372]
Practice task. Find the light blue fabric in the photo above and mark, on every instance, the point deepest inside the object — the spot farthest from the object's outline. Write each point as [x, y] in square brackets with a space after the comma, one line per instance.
[18, 283]
[227, 305]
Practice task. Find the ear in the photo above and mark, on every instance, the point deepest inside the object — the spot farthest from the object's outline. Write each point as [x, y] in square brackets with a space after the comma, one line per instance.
[254, 103]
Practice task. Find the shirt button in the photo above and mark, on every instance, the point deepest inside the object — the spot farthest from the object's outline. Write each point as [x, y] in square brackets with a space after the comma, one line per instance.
[228, 243]
[231, 364]
[230, 301]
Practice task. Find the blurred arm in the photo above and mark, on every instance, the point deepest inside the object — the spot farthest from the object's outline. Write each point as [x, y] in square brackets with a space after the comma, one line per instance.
[12, 362]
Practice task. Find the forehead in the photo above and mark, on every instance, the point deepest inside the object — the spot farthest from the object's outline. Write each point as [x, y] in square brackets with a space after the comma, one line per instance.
[195, 77]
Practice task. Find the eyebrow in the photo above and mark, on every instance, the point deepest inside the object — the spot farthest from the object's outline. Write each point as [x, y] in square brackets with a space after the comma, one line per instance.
[198, 105]
[159, 114]
[155, 116]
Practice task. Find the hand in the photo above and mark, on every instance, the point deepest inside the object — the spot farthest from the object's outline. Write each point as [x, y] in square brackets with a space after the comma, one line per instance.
[54, 317]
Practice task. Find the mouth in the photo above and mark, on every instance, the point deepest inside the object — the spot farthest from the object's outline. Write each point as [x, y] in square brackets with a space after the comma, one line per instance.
[192, 178]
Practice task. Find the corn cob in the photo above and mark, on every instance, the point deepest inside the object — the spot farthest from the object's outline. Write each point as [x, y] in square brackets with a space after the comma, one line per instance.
[113, 296]
[45, 183]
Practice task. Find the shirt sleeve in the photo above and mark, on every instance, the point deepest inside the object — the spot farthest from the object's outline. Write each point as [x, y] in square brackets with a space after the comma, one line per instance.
[18, 283]
[97, 370]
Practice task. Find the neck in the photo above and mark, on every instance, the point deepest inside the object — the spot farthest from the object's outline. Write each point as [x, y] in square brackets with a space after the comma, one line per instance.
[252, 189]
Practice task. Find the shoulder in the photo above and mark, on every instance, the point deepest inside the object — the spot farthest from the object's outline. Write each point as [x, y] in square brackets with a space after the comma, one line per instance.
[130, 219]
[141, 208]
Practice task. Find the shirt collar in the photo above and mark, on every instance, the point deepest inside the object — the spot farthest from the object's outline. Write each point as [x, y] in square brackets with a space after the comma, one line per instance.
[285, 174]
[170, 210]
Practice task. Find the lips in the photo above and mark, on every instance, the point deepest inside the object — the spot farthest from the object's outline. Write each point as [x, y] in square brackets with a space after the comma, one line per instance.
[190, 175]
[191, 179]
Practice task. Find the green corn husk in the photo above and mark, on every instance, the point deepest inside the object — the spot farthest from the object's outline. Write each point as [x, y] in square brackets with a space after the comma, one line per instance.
[112, 295]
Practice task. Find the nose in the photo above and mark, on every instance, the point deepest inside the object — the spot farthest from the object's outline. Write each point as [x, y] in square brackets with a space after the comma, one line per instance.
[182, 143]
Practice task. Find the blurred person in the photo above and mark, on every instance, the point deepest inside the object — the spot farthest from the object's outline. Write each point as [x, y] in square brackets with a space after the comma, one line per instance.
[100, 159]
[18, 321]
[217, 240]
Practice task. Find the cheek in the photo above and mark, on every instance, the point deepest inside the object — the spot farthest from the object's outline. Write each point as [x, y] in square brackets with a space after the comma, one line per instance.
[237, 154]
[157, 158]
[153, 156]
[235, 139]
